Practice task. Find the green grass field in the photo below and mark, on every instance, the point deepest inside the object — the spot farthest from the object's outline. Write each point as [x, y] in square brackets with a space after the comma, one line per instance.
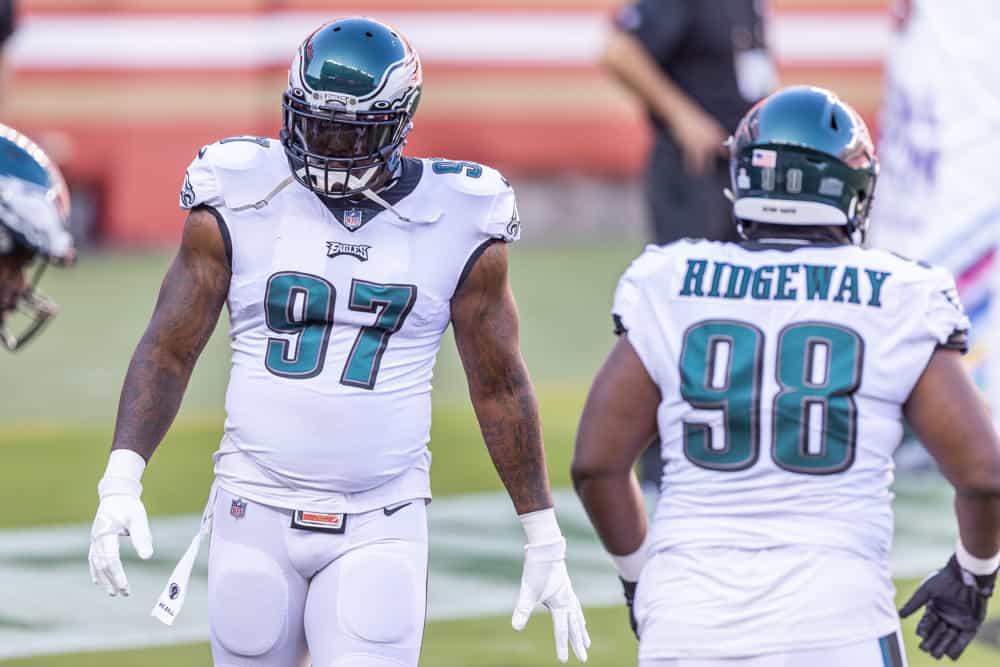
[60, 396]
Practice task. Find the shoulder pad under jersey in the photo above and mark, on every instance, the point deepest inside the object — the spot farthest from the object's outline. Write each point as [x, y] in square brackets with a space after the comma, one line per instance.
[629, 290]
[237, 172]
[932, 299]
[488, 191]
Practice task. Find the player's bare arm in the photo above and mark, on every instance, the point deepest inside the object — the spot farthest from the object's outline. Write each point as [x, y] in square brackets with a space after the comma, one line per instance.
[948, 414]
[185, 315]
[187, 309]
[617, 423]
[484, 316]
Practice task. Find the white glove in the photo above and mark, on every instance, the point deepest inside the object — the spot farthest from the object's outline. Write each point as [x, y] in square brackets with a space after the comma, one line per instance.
[545, 581]
[120, 513]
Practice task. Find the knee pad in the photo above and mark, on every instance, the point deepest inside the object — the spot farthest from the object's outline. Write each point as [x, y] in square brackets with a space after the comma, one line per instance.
[247, 599]
[381, 598]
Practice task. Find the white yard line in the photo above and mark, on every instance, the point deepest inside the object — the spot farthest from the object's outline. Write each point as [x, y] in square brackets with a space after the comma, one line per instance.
[50, 606]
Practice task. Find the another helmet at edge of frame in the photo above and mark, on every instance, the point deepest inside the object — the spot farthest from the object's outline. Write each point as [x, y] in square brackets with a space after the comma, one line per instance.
[34, 221]
[802, 156]
[353, 88]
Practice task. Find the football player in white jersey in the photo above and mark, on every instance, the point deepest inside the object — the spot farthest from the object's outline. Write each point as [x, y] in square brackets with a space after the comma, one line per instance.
[342, 263]
[34, 232]
[778, 373]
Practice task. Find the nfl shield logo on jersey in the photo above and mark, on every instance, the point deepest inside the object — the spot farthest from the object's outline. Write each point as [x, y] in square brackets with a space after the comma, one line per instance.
[353, 217]
[238, 509]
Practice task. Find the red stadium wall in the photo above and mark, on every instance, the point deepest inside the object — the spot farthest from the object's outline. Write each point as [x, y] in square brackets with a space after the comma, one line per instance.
[124, 92]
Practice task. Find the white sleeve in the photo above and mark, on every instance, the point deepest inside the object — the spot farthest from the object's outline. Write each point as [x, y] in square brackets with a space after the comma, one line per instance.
[201, 186]
[633, 313]
[945, 317]
[503, 222]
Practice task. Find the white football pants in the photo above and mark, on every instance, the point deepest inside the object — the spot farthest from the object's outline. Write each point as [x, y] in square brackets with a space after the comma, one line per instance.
[286, 597]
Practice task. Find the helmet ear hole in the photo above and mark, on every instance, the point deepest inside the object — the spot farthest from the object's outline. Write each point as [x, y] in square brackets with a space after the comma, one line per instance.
[833, 122]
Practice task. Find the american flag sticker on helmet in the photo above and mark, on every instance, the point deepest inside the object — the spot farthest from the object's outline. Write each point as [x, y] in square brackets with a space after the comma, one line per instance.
[764, 158]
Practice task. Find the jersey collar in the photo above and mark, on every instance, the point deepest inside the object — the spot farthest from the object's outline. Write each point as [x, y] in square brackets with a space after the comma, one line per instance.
[353, 215]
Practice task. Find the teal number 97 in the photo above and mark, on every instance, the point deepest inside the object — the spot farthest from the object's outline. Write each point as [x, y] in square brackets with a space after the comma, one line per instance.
[472, 170]
[814, 423]
[302, 305]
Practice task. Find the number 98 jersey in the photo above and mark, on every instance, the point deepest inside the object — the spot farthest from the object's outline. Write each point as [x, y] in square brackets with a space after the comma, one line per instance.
[783, 371]
[337, 308]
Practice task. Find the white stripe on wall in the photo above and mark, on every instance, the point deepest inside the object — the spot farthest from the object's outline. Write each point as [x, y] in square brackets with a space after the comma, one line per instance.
[137, 42]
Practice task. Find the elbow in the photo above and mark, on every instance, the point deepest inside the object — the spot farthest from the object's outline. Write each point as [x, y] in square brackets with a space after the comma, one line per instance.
[980, 482]
[613, 56]
[584, 469]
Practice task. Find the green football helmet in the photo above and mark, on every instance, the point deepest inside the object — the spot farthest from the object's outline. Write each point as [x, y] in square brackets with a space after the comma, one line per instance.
[353, 88]
[34, 229]
[801, 157]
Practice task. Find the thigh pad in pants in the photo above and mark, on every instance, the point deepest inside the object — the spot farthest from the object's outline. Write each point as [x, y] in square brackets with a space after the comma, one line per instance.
[247, 599]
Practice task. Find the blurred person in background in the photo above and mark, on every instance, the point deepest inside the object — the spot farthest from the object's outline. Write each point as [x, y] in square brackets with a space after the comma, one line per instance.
[34, 230]
[8, 21]
[939, 138]
[342, 263]
[696, 66]
[778, 372]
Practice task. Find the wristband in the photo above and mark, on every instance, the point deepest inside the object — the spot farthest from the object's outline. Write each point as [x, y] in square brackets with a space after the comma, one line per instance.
[541, 527]
[123, 474]
[974, 565]
[630, 565]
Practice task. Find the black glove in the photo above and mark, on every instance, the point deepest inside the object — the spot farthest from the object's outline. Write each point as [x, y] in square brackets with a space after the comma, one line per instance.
[629, 587]
[956, 606]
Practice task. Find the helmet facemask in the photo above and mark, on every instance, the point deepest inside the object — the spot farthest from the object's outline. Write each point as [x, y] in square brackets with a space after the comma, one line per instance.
[22, 307]
[337, 153]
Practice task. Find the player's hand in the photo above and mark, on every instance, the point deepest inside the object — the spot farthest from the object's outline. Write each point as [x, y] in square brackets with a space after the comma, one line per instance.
[629, 588]
[955, 602]
[701, 138]
[545, 581]
[121, 512]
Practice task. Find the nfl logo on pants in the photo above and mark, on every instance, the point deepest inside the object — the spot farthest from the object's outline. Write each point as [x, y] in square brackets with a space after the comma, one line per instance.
[238, 509]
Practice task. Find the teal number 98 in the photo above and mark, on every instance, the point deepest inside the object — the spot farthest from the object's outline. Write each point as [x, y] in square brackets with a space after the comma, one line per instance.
[814, 427]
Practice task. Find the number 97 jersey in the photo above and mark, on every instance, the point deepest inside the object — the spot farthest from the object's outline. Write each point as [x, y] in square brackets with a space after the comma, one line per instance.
[783, 371]
[337, 308]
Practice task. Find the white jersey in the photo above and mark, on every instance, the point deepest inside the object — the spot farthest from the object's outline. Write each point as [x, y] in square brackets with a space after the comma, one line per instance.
[783, 371]
[336, 315]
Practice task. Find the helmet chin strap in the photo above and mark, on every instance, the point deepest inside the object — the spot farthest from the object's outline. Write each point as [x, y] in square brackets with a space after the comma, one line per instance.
[368, 193]
[386, 205]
